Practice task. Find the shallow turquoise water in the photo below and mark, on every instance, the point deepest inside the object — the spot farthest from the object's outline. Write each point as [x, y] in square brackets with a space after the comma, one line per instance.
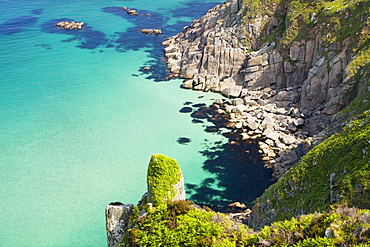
[77, 128]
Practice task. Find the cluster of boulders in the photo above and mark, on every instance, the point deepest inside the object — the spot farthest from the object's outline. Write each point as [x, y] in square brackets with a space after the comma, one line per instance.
[150, 31]
[271, 117]
[130, 11]
[284, 95]
[211, 53]
[70, 25]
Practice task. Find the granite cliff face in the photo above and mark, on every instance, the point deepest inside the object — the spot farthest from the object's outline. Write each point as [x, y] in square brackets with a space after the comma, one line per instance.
[291, 67]
[225, 51]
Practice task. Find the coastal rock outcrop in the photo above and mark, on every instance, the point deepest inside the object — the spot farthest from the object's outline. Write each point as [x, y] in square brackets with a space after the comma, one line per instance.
[150, 31]
[70, 25]
[282, 132]
[130, 11]
[165, 183]
[224, 51]
[290, 69]
[161, 187]
[216, 53]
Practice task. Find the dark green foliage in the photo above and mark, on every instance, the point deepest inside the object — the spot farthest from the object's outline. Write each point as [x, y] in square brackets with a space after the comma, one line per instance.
[179, 207]
[175, 209]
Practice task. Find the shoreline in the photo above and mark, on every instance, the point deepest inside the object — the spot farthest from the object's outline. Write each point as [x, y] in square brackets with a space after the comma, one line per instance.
[278, 102]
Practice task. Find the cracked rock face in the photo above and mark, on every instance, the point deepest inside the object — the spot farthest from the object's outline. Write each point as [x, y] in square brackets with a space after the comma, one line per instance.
[117, 219]
[214, 54]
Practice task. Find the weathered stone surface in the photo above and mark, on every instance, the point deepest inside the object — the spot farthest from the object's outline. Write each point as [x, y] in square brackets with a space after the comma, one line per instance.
[117, 219]
[233, 91]
[208, 52]
[268, 133]
[150, 31]
[188, 84]
[286, 96]
[237, 101]
[239, 108]
[130, 11]
[310, 48]
[292, 127]
[70, 25]
[294, 51]
[288, 67]
[239, 125]
[335, 71]
[251, 103]
[179, 190]
[252, 125]
[287, 139]
[256, 61]
[219, 101]
[270, 108]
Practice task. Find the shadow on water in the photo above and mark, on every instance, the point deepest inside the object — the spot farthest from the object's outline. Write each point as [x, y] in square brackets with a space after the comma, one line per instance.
[87, 37]
[238, 172]
[37, 11]
[16, 25]
[132, 39]
[183, 140]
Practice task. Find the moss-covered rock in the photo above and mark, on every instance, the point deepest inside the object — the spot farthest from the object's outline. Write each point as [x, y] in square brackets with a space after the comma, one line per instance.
[164, 179]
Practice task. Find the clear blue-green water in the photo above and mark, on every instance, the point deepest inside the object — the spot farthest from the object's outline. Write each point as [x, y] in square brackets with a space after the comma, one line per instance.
[79, 120]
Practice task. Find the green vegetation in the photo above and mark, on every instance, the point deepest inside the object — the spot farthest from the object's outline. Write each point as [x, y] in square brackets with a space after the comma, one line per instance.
[181, 224]
[337, 170]
[163, 173]
[297, 20]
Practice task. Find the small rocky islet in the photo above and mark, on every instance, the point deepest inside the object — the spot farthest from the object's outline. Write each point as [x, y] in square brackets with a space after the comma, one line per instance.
[70, 25]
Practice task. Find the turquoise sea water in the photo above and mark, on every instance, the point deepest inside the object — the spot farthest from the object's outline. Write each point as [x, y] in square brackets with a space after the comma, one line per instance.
[79, 120]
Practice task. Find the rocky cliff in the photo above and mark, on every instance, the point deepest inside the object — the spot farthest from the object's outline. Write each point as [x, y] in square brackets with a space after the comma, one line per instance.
[282, 45]
[292, 67]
